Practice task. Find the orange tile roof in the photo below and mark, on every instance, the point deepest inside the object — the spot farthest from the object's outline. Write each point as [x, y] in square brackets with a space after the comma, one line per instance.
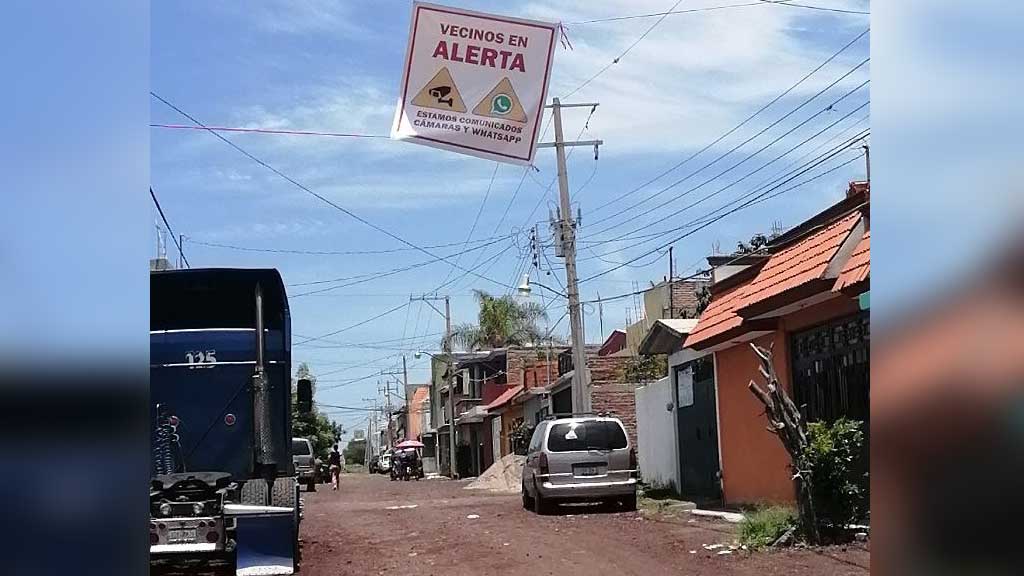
[800, 263]
[718, 318]
[858, 267]
[505, 397]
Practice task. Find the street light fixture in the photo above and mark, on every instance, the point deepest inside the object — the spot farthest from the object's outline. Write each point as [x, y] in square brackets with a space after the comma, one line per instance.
[525, 287]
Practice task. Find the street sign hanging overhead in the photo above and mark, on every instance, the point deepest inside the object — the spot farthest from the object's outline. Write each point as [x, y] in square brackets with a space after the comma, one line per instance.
[474, 83]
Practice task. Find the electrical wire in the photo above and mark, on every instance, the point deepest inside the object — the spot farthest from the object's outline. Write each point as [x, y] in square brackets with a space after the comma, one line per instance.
[356, 325]
[668, 13]
[332, 252]
[812, 7]
[476, 220]
[269, 131]
[716, 219]
[316, 195]
[168, 225]
[626, 51]
[375, 276]
[756, 170]
[720, 190]
[737, 127]
[720, 157]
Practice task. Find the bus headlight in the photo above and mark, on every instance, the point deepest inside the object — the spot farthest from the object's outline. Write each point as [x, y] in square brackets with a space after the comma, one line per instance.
[165, 509]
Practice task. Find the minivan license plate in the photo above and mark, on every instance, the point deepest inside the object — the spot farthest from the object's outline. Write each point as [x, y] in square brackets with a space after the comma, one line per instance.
[587, 471]
[181, 536]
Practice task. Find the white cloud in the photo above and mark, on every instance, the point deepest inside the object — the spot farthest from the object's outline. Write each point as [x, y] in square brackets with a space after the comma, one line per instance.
[303, 16]
[692, 78]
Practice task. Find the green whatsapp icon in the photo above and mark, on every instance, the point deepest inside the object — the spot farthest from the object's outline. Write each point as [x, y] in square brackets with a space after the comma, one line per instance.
[501, 104]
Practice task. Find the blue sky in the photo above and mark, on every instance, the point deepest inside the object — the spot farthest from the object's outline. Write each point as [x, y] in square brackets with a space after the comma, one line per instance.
[336, 66]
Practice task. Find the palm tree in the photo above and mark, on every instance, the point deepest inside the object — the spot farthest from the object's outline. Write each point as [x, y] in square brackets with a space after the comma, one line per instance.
[503, 321]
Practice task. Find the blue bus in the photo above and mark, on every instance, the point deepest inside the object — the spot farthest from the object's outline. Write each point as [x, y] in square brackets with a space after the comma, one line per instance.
[220, 414]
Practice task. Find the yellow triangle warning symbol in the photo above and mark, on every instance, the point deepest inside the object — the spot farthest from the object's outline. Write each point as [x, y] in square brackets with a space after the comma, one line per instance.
[440, 93]
[501, 102]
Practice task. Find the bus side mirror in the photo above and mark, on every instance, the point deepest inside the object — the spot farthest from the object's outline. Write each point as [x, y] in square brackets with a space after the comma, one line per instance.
[304, 392]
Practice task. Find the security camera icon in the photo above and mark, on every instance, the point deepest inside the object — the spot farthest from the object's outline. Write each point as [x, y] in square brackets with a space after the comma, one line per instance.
[440, 92]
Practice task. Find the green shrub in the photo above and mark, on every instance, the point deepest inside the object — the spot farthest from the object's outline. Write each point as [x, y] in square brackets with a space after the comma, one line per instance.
[835, 454]
[765, 525]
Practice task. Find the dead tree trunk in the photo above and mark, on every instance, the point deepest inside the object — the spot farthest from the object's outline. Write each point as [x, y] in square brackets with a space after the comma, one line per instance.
[785, 421]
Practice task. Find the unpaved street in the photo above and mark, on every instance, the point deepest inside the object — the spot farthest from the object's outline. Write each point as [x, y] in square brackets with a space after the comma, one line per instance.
[375, 526]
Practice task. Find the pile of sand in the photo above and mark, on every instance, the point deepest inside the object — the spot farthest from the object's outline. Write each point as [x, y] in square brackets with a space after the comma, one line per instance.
[505, 475]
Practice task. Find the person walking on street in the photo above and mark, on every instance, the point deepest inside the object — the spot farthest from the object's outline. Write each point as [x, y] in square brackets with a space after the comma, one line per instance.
[334, 461]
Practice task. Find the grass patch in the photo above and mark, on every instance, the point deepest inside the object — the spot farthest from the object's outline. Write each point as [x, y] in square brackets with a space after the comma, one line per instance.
[765, 525]
[658, 493]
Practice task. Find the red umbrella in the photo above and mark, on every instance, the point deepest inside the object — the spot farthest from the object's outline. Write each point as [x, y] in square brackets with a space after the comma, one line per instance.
[410, 444]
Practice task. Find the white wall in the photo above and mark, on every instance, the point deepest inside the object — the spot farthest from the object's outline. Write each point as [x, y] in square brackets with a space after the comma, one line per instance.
[655, 430]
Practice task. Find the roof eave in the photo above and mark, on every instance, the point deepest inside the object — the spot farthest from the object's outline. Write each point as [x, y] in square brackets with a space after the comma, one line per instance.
[758, 326]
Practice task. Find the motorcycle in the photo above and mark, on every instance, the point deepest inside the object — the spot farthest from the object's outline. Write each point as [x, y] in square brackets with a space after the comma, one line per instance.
[406, 468]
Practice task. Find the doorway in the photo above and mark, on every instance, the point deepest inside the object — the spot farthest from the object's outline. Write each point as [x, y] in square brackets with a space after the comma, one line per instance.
[696, 418]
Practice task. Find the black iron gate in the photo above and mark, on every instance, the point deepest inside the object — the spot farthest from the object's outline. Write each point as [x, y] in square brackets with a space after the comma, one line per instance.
[831, 369]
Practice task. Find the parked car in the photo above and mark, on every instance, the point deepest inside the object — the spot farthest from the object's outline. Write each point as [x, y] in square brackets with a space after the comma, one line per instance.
[586, 458]
[304, 462]
[384, 463]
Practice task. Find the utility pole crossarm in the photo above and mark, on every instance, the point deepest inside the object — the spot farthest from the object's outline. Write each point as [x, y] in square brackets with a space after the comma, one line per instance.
[567, 144]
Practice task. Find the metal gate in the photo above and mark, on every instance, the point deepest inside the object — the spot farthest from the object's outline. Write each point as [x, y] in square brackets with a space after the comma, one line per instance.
[496, 438]
[698, 429]
[831, 369]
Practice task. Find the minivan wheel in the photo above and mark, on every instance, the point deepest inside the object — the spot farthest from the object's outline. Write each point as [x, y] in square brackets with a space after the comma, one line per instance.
[541, 506]
[527, 501]
[629, 503]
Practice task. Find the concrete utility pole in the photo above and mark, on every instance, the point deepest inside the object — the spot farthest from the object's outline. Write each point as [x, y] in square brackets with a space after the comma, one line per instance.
[671, 275]
[447, 348]
[453, 469]
[567, 228]
[405, 385]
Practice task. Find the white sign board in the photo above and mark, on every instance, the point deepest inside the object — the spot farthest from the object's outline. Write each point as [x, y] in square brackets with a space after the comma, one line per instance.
[474, 83]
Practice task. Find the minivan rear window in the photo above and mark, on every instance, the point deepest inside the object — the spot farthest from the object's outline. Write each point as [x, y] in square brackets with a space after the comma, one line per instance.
[586, 435]
[300, 448]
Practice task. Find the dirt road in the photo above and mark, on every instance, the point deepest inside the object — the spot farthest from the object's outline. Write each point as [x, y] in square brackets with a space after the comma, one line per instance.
[375, 526]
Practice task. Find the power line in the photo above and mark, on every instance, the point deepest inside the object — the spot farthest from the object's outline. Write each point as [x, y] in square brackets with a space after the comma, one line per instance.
[749, 157]
[168, 225]
[763, 166]
[418, 264]
[268, 131]
[717, 218]
[332, 252]
[476, 220]
[508, 207]
[375, 276]
[734, 128]
[406, 344]
[356, 325]
[348, 382]
[320, 197]
[812, 7]
[780, 178]
[626, 51]
[668, 13]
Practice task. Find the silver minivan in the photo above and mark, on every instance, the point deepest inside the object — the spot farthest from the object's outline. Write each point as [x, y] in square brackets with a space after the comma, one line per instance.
[583, 458]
